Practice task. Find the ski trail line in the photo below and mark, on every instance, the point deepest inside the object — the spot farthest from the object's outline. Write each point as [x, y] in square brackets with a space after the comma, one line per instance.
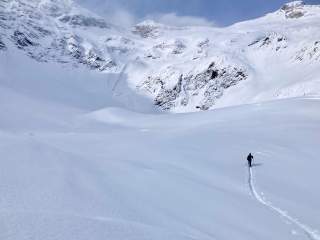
[311, 234]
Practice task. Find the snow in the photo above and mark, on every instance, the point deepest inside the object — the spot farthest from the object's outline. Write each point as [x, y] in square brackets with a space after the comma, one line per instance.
[118, 174]
[278, 54]
[293, 4]
[86, 155]
[312, 234]
[74, 169]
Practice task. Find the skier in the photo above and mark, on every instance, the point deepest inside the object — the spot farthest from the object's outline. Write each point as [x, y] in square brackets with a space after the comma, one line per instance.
[250, 158]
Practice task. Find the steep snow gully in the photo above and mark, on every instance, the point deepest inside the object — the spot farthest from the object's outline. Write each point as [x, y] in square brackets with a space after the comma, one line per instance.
[310, 233]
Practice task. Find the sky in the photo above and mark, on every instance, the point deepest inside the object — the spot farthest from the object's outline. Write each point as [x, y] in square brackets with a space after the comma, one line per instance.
[184, 12]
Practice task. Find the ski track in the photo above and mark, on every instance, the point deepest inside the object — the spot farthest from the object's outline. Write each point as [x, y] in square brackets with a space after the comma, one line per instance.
[310, 233]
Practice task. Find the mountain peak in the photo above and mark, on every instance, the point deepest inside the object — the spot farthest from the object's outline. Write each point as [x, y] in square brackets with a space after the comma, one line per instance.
[293, 9]
[293, 4]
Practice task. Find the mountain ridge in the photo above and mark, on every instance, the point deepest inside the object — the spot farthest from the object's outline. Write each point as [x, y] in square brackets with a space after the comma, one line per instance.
[215, 67]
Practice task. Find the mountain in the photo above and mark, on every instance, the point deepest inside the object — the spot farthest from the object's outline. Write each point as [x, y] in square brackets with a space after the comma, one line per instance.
[89, 148]
[179, 69]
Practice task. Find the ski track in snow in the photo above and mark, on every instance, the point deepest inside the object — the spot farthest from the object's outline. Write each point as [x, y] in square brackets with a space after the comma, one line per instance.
[311, 234]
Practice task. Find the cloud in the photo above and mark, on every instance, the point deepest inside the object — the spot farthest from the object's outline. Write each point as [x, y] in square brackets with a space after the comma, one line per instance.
[127, 14]
[111, 11]
[172, 19]
[121, 17]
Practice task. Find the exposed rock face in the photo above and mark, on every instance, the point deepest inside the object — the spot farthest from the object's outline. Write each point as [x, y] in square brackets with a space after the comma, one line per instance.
[206, 86]
[175, 47]
[311, 52]
[22, 40]
[47, 37]
[119, 45]
[84, 21]
[147, 29]
[171, 65]
[2, 45]
[292, 5]
[272, 40]
[72, 46]
[293, 9]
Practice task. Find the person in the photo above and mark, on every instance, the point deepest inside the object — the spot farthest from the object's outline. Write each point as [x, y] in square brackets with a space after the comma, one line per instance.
[250, 158]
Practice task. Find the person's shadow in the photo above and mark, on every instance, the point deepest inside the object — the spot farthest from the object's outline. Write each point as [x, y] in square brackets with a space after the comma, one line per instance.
[256, 164]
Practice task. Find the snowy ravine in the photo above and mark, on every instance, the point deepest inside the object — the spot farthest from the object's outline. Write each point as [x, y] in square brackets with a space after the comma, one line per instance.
[179, 69]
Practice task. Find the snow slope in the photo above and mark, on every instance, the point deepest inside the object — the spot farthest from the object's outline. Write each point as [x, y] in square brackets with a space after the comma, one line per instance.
[116, 174]
[309, 232]
[86, 154]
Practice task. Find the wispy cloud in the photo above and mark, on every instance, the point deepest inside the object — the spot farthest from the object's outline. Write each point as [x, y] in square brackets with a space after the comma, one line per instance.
[172, 19]
[121, 17]
[118, 13]
[183, 12]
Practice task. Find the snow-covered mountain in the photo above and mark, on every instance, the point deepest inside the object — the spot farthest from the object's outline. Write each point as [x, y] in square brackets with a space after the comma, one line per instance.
[180, 69]
[85, 152]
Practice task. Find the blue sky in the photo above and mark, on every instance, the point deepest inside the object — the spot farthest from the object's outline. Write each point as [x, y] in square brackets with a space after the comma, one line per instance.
[219, 12]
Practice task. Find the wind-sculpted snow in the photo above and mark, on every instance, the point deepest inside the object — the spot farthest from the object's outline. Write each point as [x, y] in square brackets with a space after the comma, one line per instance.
[170, 65]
